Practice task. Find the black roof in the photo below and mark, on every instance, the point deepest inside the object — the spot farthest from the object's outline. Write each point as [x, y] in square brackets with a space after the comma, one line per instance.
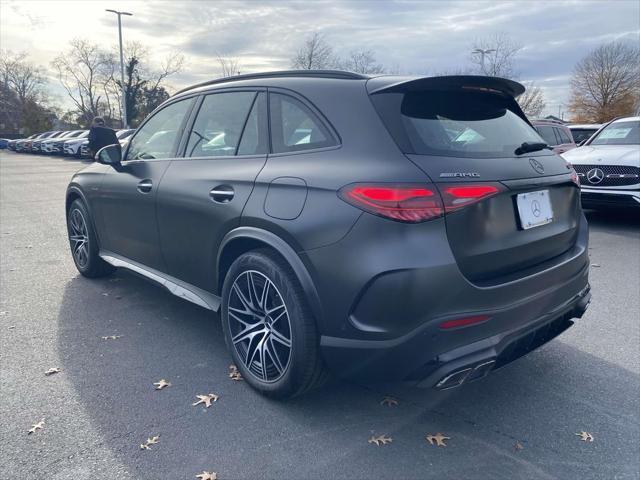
[335, 74]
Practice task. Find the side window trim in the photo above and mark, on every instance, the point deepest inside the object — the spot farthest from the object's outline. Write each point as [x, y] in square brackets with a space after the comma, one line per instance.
[184, 138]
[319, 115]
[244, 125]
[153, 114]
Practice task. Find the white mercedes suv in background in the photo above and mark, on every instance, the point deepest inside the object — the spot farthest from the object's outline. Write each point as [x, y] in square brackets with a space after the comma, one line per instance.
[608, 165]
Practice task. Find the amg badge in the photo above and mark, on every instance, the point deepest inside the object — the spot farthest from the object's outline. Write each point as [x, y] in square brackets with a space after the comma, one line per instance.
[460, 175]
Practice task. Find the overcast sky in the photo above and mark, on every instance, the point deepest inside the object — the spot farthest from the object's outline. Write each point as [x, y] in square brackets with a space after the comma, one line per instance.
[416, 37]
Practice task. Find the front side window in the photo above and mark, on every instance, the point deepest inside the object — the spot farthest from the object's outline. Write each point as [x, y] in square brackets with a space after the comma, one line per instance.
[158, 137]
[219, 124]
[619, 133]
[454, 123]
[295, 127]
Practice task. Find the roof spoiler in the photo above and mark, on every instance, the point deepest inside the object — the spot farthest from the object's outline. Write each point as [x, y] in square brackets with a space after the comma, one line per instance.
[498, 85]
[474, 82]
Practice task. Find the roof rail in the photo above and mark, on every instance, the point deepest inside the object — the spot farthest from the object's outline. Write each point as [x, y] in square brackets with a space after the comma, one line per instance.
[338, 74]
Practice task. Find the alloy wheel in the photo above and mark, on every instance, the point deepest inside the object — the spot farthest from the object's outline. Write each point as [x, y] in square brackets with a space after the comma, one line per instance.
[79, 238]
[259, 325]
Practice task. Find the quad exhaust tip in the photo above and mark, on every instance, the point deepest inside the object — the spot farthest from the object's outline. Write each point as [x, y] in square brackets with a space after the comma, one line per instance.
[468, 374]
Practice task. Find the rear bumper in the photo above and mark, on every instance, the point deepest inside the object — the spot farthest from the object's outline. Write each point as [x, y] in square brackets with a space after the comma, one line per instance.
[594, 197]
[383, 306]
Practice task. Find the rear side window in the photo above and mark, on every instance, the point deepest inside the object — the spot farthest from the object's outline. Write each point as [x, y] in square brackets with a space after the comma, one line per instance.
[563, 136]
[295, 127]
[453, 123]
[219, 124]
[546, 132]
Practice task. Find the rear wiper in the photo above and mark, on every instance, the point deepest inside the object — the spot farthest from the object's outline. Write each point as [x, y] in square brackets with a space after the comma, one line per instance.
[528, 147]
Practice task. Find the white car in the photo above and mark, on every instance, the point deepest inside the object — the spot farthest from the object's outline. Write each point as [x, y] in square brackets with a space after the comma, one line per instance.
[51, 145]
[608, 165]
[72, 147]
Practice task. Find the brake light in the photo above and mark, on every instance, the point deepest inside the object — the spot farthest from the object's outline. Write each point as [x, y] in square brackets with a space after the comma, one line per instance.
[464, 322]
[456, 197]
[411, 203]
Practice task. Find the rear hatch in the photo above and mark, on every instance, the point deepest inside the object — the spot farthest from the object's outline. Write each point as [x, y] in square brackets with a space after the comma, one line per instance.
[506, 210]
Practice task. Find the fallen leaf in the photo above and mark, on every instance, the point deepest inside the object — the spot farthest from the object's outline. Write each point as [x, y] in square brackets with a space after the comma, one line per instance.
[207, 476]
[150, 441]
[585, 436]
[518, 446]
[389, 401]
[206, 399]
[437, 439]
[51, 371]
[37, 426]
[382, 439]
[11, 327]
[3, 313]
[111, 337]
[162, 384]
[234, 374]
[596, 265]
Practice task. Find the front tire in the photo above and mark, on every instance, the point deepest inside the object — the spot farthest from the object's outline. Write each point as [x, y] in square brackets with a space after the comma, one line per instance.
[268, 326]
[84, 242]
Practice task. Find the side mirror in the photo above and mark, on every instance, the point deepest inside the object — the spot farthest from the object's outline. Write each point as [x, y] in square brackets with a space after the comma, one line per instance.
[109, 155]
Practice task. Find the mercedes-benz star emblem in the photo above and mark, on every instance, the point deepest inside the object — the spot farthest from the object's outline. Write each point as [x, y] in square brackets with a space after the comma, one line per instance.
[536, 165]
[535, 208]
[595, 175]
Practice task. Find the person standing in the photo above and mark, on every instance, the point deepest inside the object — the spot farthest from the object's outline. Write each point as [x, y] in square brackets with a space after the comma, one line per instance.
[101, 136]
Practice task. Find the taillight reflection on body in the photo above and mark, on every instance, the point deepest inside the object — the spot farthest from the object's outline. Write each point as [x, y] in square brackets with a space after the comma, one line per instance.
[411, 203]
[464, 322]
[459, 196]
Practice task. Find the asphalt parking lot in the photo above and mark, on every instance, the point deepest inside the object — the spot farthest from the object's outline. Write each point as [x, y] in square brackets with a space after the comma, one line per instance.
[103, 405]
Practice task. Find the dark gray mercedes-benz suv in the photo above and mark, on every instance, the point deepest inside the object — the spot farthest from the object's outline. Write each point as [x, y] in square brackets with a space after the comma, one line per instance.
[386, 227]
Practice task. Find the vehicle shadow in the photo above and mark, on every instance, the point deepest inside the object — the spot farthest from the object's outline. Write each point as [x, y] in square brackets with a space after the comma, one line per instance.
[541, 402]
[616, 219]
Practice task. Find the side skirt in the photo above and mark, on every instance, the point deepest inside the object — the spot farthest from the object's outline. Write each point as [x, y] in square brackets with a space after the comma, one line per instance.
[177, 287]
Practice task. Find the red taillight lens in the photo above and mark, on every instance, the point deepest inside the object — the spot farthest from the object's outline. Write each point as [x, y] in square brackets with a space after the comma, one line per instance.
[459, 196]
[404, 203]
[464, 322]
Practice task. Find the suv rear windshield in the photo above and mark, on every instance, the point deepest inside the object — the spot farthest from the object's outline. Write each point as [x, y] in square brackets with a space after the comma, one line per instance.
[453, 123]
[619, 133]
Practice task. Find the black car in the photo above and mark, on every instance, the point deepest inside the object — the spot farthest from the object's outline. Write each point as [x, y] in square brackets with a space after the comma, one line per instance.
[390, 228]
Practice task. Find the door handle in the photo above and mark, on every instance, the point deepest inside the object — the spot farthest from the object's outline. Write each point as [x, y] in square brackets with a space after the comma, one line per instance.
[145, 186]
[222, 193]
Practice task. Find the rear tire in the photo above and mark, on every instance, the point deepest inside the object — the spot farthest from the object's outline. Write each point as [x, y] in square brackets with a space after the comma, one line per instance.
[271, 336]
[84, 242]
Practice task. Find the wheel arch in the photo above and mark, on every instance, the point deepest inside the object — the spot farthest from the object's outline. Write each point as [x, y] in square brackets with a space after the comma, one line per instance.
[243, 239]
[74, 193]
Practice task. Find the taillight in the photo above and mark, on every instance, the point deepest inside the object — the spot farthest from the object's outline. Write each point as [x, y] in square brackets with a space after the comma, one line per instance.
[411, 203]
[461, 195]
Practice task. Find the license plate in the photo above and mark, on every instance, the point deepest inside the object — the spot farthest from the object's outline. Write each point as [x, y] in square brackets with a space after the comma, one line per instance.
[534, 209]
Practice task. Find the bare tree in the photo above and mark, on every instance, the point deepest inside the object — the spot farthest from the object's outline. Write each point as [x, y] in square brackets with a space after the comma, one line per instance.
[21, 76]
[315, 54]
[229, 66]
[362, 61]
[498, 58]
[83, 70]
[606, 83]
[532, 100]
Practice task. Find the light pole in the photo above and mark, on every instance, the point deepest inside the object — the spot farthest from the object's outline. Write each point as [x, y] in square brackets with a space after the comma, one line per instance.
[482, 53]
[124, 92]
